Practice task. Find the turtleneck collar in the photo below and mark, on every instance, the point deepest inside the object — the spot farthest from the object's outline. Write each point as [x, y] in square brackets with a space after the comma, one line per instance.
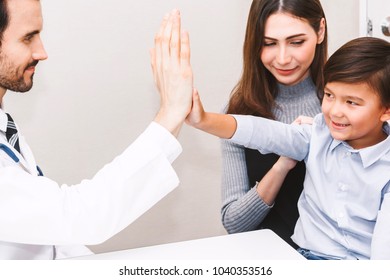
[296, 91]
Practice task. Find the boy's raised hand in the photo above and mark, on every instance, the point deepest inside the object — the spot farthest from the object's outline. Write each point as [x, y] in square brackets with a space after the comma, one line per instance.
[197, 113]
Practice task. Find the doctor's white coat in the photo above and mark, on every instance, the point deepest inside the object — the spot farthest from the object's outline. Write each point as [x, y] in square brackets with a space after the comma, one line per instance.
[40, 219]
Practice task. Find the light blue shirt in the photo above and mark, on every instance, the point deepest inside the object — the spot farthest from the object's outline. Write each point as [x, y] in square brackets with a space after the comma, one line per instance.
[345, 205]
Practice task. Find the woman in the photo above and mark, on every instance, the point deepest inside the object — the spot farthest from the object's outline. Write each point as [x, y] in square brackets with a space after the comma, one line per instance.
[285, 50]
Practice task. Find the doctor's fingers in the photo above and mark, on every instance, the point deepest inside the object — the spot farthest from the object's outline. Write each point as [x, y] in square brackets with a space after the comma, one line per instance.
[177, 47]
[175, 41]
[185, 54]
[152, 53]
[157, 52]
[167, 48]
[166, 41]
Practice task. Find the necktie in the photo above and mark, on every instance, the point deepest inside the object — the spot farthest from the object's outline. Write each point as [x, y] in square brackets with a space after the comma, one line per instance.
[12, 133]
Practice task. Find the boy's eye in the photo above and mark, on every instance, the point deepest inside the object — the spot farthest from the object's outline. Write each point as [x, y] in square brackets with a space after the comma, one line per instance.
[352, 102]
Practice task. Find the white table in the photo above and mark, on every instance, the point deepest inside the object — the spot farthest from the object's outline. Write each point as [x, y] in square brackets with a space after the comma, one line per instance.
[253, 245]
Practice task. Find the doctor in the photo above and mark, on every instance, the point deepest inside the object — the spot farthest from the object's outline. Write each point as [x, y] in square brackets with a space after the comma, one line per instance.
[43, 220]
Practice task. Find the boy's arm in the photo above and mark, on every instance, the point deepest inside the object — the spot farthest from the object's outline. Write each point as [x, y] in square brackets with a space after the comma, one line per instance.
[220, 125]
[267, 136]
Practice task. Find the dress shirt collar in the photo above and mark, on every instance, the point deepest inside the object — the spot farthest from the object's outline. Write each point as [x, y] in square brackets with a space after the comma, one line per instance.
[335, 143]
[374, 153]
[3, 120]
[371, 154]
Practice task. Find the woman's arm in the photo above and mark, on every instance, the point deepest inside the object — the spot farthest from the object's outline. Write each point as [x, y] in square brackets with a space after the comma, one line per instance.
[238, 199]
[269, 186]
[245, 206]
[242, 208]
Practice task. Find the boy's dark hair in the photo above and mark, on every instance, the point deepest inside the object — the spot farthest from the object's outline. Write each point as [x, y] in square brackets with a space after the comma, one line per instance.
[4, 18]
[362, 60]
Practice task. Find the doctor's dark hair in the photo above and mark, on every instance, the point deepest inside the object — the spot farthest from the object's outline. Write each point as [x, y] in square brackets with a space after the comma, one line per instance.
[256, 90]
[362, 60]
[4, 18]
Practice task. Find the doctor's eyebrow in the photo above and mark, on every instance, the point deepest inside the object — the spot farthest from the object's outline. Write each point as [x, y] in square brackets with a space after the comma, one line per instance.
[31, 34]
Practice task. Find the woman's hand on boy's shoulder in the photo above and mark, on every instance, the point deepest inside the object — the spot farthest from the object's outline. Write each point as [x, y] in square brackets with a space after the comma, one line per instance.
[303, 120]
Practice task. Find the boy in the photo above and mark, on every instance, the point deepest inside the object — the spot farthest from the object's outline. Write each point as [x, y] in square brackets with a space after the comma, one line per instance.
[345, 205]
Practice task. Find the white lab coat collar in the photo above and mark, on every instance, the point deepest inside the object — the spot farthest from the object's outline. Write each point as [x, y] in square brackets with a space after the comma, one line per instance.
[26, 158]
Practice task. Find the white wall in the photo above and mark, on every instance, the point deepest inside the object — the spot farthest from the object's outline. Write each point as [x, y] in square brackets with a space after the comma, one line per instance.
[343, 21]
[95, 95]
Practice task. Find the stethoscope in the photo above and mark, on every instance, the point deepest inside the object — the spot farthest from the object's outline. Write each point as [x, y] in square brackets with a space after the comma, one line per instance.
[14, 157]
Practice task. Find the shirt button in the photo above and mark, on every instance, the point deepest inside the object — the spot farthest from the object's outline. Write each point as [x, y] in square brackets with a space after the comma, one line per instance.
[343, 187]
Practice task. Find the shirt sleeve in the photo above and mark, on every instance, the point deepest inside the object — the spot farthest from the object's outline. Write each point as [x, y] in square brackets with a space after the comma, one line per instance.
[381, 237]
[36, 210]
[269, 136]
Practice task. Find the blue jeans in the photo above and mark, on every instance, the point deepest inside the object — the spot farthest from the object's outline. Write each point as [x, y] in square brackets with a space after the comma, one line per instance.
[309, 255]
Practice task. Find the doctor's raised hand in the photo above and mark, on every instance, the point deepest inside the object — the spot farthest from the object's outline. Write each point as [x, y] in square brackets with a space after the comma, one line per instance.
[170, 59]
[41, 219]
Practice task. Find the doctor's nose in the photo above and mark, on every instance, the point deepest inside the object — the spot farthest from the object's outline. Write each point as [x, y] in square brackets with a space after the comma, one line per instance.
[39, 52]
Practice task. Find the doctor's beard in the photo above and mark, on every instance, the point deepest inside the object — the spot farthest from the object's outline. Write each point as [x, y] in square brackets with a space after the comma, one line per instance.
[12, 78]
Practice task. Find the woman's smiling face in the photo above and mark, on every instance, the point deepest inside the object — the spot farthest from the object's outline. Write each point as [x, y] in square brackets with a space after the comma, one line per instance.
[289, 47]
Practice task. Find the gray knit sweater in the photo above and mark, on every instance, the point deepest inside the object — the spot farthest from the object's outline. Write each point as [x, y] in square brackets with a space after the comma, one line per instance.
[242, 208]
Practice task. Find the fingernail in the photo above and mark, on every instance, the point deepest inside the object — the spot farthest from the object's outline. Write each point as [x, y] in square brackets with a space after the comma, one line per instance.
[176, 12]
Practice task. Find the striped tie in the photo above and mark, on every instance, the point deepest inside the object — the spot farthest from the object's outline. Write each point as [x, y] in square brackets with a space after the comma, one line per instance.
[12, 133]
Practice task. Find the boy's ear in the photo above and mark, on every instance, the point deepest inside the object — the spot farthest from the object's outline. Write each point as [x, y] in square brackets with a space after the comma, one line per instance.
[386, 115]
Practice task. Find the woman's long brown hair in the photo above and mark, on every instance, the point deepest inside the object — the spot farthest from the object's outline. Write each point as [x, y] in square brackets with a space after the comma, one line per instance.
[255, 93]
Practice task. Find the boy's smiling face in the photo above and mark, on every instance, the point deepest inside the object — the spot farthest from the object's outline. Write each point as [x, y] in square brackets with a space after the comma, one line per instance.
[354, 114]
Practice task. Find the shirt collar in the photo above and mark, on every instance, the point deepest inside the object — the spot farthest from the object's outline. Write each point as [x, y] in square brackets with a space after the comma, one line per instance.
[334, 144]
[371, 154]
[3, 120]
